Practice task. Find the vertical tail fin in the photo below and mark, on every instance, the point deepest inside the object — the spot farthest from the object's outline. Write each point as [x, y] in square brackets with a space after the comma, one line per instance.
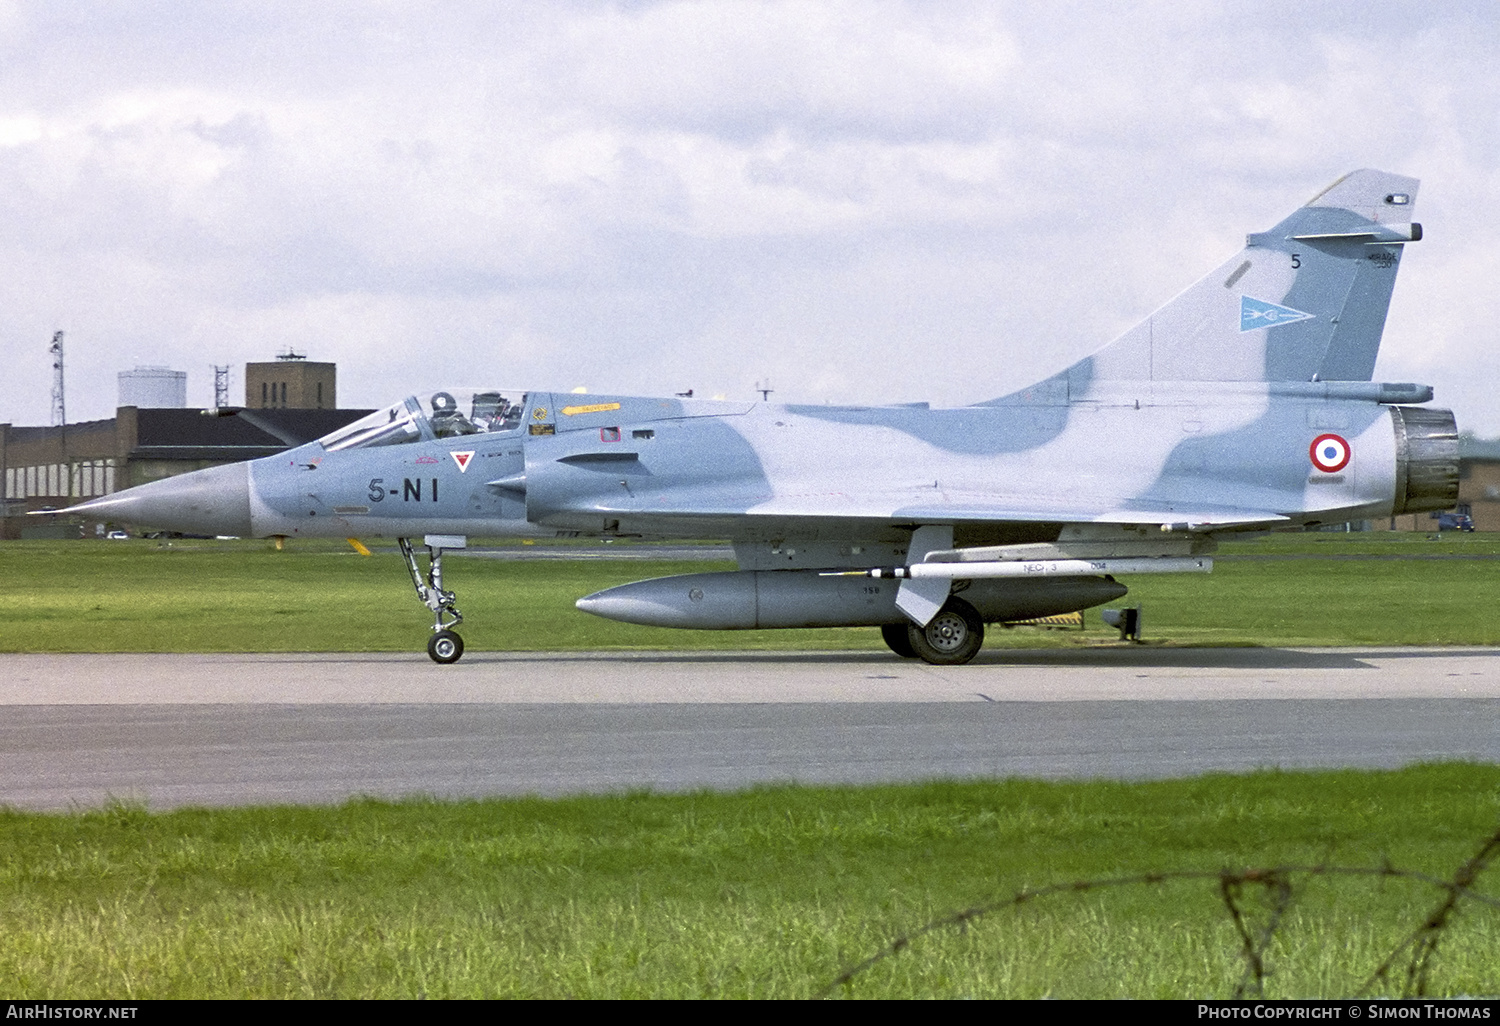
[1304, 301]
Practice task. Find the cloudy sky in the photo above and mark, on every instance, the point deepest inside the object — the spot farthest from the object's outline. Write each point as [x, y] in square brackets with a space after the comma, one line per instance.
[859, 201]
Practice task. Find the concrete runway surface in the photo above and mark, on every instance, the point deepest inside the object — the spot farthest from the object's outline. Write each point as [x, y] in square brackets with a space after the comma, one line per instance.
[235, 729]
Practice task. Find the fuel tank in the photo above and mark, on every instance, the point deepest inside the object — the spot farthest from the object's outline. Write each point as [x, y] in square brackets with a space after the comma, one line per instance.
[749, 599]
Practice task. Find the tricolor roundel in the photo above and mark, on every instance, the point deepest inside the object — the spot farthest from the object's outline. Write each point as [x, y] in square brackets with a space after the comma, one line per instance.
[1330, 453]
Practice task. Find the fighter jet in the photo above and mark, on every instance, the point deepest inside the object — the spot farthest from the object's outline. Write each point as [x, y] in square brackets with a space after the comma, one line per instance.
[1245, 404]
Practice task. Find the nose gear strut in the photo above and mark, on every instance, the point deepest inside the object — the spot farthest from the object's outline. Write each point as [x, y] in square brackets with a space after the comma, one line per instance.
[444, 646]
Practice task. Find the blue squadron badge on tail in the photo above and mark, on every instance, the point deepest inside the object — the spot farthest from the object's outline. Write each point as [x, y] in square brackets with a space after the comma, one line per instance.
[1257, 313]
[1247, 403]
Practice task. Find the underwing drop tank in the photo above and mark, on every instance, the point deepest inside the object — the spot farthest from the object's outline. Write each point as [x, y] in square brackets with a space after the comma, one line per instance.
[751, 599]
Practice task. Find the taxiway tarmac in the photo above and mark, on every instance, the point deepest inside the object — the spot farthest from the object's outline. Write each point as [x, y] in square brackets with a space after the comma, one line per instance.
[232, 729]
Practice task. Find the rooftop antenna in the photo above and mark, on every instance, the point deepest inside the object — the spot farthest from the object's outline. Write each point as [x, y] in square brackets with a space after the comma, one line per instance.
[221, 386]
[291, 354]
[59, 409]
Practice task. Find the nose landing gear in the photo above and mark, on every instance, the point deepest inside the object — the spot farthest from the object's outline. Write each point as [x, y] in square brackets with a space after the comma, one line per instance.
[444, 646]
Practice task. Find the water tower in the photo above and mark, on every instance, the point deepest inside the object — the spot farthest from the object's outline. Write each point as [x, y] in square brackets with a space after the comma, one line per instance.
[153, 388]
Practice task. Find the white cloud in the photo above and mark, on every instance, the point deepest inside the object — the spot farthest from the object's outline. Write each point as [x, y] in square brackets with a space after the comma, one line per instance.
[864, 199]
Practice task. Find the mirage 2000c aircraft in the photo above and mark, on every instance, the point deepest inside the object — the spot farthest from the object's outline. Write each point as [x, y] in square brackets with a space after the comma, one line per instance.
[1245, 404]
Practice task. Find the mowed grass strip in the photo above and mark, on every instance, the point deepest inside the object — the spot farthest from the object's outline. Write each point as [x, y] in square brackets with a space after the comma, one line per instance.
[145, 596]
[766, 893]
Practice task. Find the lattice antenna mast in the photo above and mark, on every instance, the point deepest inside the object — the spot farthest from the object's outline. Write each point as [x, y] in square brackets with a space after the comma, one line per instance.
[59, 407]
[221, 387]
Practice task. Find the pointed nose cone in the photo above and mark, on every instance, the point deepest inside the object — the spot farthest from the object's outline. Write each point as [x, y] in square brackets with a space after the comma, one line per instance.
[212, 501]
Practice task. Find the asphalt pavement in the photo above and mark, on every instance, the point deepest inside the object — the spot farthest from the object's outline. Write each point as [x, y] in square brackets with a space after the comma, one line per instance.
[172, 730]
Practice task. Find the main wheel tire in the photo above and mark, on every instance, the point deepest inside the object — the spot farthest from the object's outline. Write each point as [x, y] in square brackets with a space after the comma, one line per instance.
[897, 641]
[951, 638]
[445, 647]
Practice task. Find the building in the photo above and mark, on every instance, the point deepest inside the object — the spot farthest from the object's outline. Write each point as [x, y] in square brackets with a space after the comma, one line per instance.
[50, 467]
[42, 466]
[1479, 481]
[54, 467]
[291, 383]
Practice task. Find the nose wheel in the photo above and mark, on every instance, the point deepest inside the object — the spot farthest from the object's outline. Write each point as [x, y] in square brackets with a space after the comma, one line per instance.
[445, 646]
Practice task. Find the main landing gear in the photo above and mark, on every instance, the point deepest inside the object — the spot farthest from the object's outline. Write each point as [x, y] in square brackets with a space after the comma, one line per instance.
[445, 646]
[896, 639]
[951, 638]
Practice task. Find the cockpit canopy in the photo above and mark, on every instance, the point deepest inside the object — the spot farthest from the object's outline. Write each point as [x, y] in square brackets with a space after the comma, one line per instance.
[450, 413]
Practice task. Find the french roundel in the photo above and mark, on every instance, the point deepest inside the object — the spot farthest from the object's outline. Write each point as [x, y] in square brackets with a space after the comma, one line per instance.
[1329, 453]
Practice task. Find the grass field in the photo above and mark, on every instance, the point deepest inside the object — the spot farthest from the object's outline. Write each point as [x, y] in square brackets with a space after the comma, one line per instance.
[145, 596]
[768, 893]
